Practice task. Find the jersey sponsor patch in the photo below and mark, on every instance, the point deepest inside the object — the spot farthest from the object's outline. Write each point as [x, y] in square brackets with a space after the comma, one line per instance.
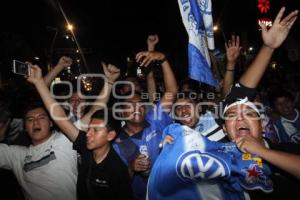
[197, 166]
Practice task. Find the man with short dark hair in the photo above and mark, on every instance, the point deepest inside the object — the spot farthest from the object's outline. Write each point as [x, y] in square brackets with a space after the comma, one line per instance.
[44, 170]
[288, 124]
[102, 174]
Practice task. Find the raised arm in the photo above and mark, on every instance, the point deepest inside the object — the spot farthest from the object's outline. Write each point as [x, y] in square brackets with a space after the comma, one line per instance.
[272, 39]
[111, 73]
[62, 63]
[151, 86]
[286, 161]
[152, 40]
[56, 111]
[233, 50]
[169, 78]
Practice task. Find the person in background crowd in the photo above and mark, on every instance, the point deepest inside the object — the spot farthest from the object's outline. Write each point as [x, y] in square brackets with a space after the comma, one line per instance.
[138, 141]
[288, 124]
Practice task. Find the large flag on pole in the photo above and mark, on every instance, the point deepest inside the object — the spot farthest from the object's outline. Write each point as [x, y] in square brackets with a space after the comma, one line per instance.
[197, 19]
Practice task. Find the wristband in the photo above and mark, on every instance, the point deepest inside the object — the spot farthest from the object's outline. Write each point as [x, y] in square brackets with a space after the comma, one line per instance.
[159, 62]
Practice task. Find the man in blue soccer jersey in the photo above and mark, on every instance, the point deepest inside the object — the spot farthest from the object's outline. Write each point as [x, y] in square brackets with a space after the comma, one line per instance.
[187, 112]
[243, 125]
[198, 168]
[241, 92]
[288, 124]
[272, 39]
[210, 170]
[138, 142]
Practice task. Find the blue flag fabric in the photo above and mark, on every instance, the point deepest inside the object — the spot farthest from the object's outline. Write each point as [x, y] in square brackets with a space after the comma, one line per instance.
[193, 167]
[197, 19]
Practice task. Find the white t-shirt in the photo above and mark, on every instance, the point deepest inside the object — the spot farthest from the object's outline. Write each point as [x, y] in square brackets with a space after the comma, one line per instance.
[46, 171]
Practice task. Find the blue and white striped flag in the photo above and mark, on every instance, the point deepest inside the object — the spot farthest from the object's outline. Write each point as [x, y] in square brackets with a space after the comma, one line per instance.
[197, 19]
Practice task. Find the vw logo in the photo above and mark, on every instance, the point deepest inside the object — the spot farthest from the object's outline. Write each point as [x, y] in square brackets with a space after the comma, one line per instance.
[196, 166]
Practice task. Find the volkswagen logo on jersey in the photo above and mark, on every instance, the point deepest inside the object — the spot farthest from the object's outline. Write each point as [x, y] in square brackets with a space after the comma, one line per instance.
[196, 166]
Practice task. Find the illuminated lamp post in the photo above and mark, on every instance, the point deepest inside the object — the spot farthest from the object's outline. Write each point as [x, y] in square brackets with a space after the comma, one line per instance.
[70, 27]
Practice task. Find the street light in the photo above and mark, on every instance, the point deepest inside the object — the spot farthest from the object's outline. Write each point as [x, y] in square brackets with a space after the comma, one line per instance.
[218, 29]
[215, 28]
[70, 27]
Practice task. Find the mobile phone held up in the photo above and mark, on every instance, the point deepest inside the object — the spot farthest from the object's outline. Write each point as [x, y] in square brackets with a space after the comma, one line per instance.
[21, 68]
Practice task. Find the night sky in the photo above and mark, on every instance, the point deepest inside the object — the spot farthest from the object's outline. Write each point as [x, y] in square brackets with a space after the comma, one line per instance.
[115, 29]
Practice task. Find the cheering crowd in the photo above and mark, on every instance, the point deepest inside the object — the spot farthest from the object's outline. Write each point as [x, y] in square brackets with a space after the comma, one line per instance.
[123, 145]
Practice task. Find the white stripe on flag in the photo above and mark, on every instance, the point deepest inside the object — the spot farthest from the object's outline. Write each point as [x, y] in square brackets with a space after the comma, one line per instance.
[197, 19]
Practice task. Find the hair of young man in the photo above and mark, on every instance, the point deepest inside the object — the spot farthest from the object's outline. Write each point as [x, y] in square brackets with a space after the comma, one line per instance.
[193, 85]
[131, 79]
[278, 94]
[193, 97]
[35, 105]
[131, 94]
[111, 123]
[187, 96]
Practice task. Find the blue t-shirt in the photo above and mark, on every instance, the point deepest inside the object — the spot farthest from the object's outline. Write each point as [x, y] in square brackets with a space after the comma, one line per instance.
[288, 130]
[145, 142]
[193, 167]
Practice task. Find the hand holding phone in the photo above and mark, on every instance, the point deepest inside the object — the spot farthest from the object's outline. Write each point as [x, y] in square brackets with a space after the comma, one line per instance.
[21, 68]
[35, 74]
